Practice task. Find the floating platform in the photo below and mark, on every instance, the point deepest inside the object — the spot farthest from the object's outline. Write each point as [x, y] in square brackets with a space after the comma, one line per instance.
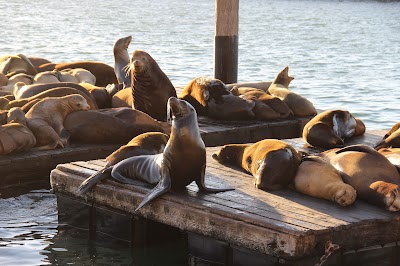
[31, 165]
[285, 225]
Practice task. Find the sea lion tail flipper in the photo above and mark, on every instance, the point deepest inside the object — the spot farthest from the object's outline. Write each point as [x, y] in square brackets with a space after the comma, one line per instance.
[162, 187]
[202, 186]
[92, 180]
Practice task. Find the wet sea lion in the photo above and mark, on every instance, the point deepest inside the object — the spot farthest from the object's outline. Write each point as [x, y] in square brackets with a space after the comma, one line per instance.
[116, 125]
[144, 144]
[182, 161]
[331, 128]
[11, 65]
[15, 135]
[273, 163]
[199, 91]
[100, 94]
[46, 119]
[104, 73]
[318, 178]
[391, 138]
[121, 60]
[151, 88]
[370, 173]
[299, 105]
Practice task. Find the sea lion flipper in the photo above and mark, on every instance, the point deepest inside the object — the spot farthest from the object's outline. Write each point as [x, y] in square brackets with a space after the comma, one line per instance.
[358, 147]
[93, 179]
[4, 66]
[202, 186]
[162, 187]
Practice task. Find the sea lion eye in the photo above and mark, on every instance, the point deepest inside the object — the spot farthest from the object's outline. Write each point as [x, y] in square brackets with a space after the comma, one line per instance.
[79, 105]
[144, 58]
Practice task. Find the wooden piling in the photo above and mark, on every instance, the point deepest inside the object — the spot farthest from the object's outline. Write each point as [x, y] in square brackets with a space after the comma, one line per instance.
[226, 40]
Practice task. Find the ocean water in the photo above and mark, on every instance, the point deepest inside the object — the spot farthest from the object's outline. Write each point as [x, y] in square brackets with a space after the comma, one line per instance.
[343, 54]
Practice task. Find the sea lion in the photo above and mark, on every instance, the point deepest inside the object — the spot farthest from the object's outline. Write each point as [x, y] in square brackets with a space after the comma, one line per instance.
[46, 118]
[393, 155]
[391, 138]
[122, 98]
[199, 91]
[230, 107]
[77, 75]
[100, 94]
[273, 163]
[262, 85]
[3, 79]
[55, 92]
[104, 73]
[279, 108]
[374, 178]
[182, 161]
[46, 77]
[121, 60]
[15, 135]
[37, 61]
[11, 65]
[151, 88]
[21, 78]
[331, 128]
[318, 178]
[144, 144]
[3, 117]
[299, 105]
[116, 125]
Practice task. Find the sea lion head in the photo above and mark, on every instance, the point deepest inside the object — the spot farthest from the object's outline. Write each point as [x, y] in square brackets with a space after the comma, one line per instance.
[16, 115]
[180, 110]
[122, 43]
[230, 154]
[390, 194]
[283, 77]
[141, 62]
[76, 102]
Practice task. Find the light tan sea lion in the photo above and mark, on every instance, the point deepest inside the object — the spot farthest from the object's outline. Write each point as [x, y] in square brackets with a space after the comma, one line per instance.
[15, 135]
[391, 138]
[393, 155]
[116, 125]
[100, 94]
[11, 65]
[121, 60]
[46, 119]
[318, 178]
[299, 105]
[273, 163]
[262, 85]
[77, 75]
[122, 98]
[331, 128]
[370, 173]
[167, 169]
[144, 144]
[46, 77]
[21, 78]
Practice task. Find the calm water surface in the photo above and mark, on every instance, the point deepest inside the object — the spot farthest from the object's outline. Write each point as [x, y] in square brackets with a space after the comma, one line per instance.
[343, 54]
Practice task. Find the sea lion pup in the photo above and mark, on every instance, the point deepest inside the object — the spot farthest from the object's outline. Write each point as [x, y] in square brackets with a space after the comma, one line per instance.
[199, 91]
[391, 138]
[11, 65]
[115, 126]
[46, 119]
[331, 128]
[151, 88]
[272, 162]
[280, 108]
[55, 92]
[121, 60]
[393, 155]
[297, 103]
[100, 94]
[144, 144]
[15, 135]
[318, 178]
[104, 73]
[167, 168]
[374, 178]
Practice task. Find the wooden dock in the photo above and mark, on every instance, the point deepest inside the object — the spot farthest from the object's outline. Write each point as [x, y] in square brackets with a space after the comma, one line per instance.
[283, 224]
[31, 165]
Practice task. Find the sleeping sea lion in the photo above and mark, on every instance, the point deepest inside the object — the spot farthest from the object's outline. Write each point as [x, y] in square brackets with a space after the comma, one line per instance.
[11, 65]
[391, 138]
[182, 161]
[144, 144]
[318, 178]
[370, 173]
[100, 94]
[273, 163]
[393, 155]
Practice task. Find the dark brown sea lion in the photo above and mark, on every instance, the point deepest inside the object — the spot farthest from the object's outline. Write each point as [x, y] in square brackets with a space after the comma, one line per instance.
[299, 105]
[182, 162]
[11, 65]
[318, 178]
[100, 94]
[199, 91]
[55, 92]
[46, 119]
[104, 73]
[331, 128]
[370, 173]
[272, 162]
[151, 88]
[391, 138]
[116, 125]
[121, 60]
[15, 136]
[144, 144]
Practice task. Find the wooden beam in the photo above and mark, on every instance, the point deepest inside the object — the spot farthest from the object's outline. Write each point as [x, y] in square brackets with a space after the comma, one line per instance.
[226, 40]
